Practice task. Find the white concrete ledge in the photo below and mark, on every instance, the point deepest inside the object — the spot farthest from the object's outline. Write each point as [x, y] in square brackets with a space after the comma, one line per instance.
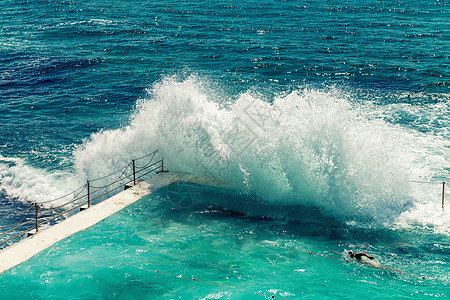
[27, 248]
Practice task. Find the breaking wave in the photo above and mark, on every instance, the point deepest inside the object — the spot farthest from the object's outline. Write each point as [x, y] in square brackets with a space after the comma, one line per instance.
[308, 147]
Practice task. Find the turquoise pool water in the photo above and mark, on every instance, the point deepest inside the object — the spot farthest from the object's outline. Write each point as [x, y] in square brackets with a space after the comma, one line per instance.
[230, 254]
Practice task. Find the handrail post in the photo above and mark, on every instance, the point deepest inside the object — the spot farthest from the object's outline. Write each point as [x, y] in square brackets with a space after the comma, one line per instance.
[134, 172]
[162, 165]
[89, 193]
[37, 223]
[443, 193]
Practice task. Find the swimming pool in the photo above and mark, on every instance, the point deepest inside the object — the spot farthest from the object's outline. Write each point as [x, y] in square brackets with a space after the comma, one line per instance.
[195, 242]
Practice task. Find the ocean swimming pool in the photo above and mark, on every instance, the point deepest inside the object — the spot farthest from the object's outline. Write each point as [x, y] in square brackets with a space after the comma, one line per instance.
[342, 107]
[155, 247]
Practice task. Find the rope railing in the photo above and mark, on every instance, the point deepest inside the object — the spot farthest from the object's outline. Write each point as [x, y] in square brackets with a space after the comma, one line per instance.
[152, 170]
[149, 161]
[62, 197]
[23, 218]
[147, 155]
[61, 206]
[124, 169]
[435, 182]
[98, 188]
[79, 201]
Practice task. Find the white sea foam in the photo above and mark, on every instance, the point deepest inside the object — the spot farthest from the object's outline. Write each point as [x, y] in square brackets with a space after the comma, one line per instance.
[28, 184]
[307, 147]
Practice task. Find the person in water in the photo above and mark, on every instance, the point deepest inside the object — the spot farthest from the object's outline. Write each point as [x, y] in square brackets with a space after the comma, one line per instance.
[360, 255]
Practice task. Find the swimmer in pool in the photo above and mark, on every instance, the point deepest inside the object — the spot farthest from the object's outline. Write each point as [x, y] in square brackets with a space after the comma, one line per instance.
[360, 255]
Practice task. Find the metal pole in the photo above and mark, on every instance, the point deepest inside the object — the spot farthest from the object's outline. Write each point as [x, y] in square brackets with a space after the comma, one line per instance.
[89, 193]
[134, 172]
[37, 224]
[443, 193]
[162, 165]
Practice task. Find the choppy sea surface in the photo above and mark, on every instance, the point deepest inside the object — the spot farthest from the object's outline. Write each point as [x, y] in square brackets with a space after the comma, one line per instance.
[330, 121]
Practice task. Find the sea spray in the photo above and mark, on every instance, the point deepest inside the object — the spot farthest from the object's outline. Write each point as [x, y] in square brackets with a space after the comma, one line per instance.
[319, 148]
[308, 147]
[27, 184]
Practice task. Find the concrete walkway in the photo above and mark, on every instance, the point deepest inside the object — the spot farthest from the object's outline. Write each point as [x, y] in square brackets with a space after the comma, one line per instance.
[27, 248]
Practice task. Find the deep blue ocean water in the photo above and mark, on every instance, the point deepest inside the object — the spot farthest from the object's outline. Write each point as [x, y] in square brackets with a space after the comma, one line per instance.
[321, 115]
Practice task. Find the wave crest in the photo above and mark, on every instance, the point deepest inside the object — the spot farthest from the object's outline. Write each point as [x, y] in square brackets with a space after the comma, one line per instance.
[308, 147]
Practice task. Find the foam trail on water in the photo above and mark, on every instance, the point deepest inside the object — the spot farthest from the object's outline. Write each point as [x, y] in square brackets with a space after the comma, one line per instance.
[27, 184]
[308, 147]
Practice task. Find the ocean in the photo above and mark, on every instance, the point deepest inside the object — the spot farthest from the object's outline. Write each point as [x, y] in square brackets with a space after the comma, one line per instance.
[330, 122]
